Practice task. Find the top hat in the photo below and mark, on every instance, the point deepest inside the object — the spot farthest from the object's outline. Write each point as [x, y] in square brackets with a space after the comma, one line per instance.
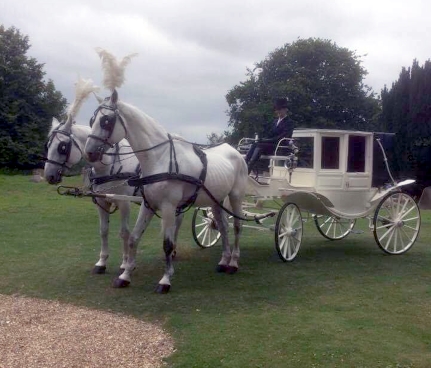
[280, 103]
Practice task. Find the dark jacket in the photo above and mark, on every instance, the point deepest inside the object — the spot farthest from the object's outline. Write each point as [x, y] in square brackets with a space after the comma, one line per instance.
[284, 129]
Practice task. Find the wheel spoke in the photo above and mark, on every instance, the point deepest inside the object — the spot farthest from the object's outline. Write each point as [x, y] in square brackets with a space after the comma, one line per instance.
[396, 232]
[388, 241]
[210, 236]
[282, 235]
[407, 212]
[328, 229]
[390, 230]
[202, 231]
[201, 224]
[408, 237]
[411, 219]
[289, 249]
[410, 227]
[205, 236]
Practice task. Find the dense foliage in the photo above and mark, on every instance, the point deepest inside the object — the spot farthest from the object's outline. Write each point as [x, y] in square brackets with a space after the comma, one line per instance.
[406, 110]
[323, 82]
[27, 103]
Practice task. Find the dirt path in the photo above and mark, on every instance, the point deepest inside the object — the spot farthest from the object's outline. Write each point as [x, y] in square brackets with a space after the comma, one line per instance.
[41, 334]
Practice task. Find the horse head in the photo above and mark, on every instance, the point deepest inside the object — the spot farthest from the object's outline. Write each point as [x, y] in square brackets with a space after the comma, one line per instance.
[62, 151]
[105, 131]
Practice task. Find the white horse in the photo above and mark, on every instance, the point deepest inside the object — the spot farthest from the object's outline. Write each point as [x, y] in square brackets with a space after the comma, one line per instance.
[224, 175]
[65, 149]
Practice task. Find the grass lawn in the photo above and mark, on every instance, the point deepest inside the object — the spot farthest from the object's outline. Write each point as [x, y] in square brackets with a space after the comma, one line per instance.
[338, 304]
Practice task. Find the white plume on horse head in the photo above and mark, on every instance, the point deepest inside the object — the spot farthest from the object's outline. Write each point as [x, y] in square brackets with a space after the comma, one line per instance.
[83, 88]
[113, 69]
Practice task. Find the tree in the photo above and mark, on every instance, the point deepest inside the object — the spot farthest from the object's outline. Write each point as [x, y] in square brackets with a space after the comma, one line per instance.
[215, 138]
[323, 82]
[27, 103]
[406, 111]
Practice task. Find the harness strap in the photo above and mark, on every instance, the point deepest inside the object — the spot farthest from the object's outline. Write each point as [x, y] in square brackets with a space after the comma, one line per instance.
[141, 182]
[97, 180]
[163, 177]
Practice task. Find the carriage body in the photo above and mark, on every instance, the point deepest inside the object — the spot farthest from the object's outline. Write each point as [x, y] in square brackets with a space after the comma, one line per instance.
[342, 168]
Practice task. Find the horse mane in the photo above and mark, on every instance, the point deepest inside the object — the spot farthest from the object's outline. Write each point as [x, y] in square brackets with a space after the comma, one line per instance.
[83, 88]
[113, 69]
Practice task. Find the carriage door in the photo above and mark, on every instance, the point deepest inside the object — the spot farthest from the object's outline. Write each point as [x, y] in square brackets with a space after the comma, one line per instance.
[358, 168]
[330, 177]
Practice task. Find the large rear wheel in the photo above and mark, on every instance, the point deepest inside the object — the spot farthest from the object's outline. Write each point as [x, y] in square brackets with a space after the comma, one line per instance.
[396, 223]
[288, 231]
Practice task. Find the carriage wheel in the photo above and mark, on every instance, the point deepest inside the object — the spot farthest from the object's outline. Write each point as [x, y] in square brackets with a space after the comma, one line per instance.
[204, 228]
[288, 231]
[396, 223]
[332, 227]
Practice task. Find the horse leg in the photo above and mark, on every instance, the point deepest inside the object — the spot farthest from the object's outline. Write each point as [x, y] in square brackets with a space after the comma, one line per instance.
[144, 218]
[124, 207]
[236, 206]
[100, 266]
[178, 222]
[169, 226]
[222, 224]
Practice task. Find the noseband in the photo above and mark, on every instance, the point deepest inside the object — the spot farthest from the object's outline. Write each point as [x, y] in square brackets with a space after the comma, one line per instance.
[63, 149]
[107, 122]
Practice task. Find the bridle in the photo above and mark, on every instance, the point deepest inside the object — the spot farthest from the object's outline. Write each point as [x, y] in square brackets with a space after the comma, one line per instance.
[107, 122]
[64, 148]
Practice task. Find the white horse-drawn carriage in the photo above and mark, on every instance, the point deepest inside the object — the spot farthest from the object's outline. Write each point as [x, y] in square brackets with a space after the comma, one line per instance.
[336, 177]
[332, 177]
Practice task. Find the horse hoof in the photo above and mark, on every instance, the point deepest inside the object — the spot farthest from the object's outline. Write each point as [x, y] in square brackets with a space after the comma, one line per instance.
[120, 271]
[162, 288]
[222, 268]
[120, 283]
[231, 270]
[98, 270]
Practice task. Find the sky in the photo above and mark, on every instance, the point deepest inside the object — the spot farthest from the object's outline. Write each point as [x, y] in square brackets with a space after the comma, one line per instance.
[192, 52]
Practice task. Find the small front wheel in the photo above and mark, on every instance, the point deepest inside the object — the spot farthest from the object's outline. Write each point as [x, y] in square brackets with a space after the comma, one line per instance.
[288, 231]
[204, 227]
[396, 223]
[332, 227]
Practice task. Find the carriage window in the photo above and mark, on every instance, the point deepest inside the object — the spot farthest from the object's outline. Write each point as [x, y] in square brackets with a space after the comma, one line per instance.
[306, 152]
[330, 153]
[356, 156]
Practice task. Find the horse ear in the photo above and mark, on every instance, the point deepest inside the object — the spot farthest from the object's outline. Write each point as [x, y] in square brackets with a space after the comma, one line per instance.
[114, 97]
[55, 123]
[98, 98]
[68, 123]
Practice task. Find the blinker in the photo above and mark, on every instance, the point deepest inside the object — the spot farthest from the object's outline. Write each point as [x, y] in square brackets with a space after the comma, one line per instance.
[63, 148]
